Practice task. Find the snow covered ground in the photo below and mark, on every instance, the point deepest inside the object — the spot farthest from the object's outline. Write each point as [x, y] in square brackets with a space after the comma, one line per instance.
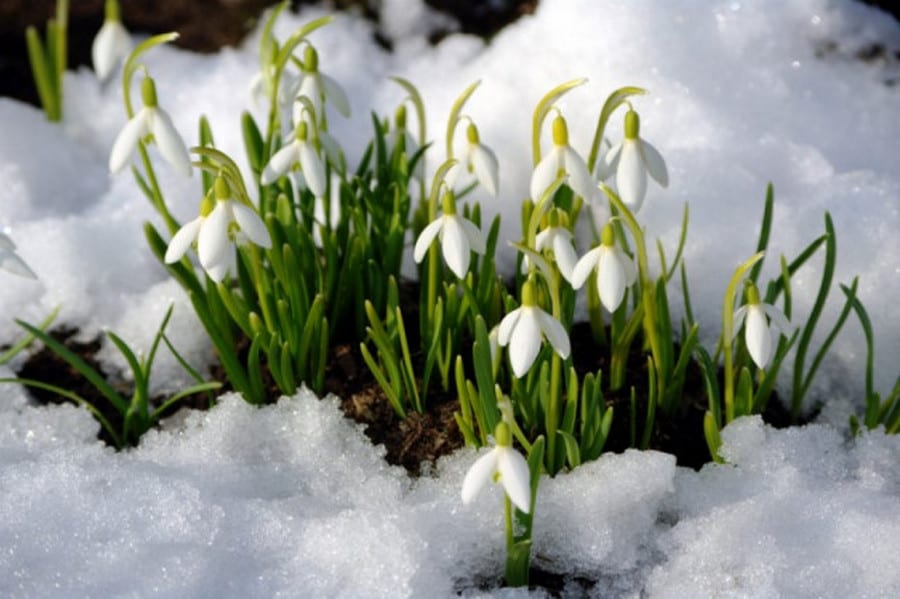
[292, 500]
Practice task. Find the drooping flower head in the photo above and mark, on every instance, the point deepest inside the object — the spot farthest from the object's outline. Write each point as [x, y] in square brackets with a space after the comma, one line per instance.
[524, 329]
[319, 87]
[562, 159]
[459, 237]
[112, 43]
[615, 270]
[300, 151]
[481, 160]
[632, 160]
[151, 123]
[757, 317]
[501, 464]
[557, 238]
[222, 222]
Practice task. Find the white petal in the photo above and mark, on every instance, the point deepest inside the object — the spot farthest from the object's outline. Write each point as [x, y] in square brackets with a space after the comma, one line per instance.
[628, 266]
[182, 240]
[426, 237]
[334, 206]
[580, 179]
[127, 140]
[525, 342]
[564, 254]
[313, 171]
[486, 168]
[6, 243]
[170, 144]
[610, 279]
[280, 163]
[555, 333]
[757, 336]
[612, 158]
[479, 474]
[335, 94]
[218, 270]
[309, 87]
[507, 326]
[737, 319]
[779, 320]
[212, 240]
[631, 176]
[476, 238]
[603, 168]
[109, 47]
[455, 246]
[544, 174]
[584, 267]
[251, 225]
[515, 477]
[11, 262]
[655, 164]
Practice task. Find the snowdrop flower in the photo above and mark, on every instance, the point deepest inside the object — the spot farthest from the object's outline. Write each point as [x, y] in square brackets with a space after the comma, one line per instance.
[562, 159]
[615, 270]
[151, 120]
[319, 87]
[220, 222]
[112, 44]
[301, 151]
[757, 333]
[480, 160]
[10, 260]
[503, 464]
[523, 330]
[631, 161]
[558, 238]
[458, 236]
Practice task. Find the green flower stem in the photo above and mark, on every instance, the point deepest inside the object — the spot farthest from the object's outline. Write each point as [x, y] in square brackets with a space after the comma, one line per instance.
[454, 118]
[540, 113]
[615, 99]
[728, 331]
[648, 289]
[158, 202]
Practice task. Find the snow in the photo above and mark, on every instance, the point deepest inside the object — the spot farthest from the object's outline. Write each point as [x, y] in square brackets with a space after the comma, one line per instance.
[292, 500]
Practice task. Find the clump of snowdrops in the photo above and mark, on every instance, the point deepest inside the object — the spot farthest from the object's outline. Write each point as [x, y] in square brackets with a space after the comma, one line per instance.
[299, 251]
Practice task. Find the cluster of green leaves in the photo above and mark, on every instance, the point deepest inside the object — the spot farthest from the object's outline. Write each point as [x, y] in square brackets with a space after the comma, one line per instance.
[48, 60]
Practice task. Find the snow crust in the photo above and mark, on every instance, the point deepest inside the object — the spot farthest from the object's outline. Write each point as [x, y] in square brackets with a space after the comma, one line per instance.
[291, 500]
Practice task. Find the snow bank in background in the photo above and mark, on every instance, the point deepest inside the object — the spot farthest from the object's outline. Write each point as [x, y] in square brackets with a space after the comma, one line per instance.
[291, 500]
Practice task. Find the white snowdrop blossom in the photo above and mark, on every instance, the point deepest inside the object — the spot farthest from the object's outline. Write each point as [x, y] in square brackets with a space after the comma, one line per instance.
[504, 465]
[631, 161]
[459, 237]
[758, 334]
[300, 151]
[558, 238]
[562, 159]
[615, 270]
[318, 87]
[112, 43]
[523, 331]
[151, 120]
[10, 260]
[481, 161]
[220, 223]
